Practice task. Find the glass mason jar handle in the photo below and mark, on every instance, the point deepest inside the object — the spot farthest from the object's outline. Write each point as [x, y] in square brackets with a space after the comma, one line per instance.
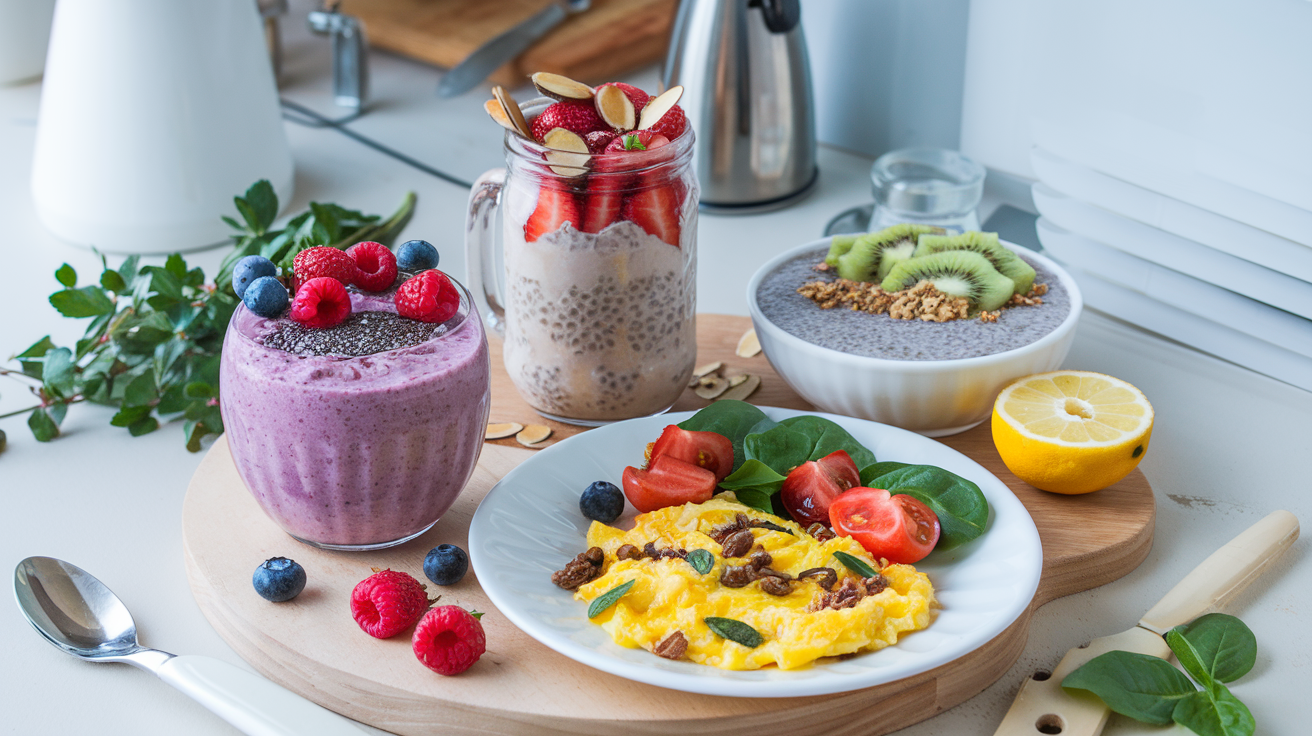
[480, 244]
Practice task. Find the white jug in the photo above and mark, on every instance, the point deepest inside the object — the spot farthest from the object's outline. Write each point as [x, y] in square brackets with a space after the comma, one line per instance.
[154, 114]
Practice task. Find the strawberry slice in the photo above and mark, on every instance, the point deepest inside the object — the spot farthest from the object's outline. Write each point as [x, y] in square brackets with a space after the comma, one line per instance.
[656, 210]
[603, 208]
[555, 207]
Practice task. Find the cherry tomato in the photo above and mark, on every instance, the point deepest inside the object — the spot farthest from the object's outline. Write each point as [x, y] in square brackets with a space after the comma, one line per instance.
[898, 528]
[704, 449]
[668, 482]
[812, 486]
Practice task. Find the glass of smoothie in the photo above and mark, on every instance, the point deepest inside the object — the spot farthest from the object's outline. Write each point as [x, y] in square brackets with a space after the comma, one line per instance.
[358, 436]
[593, 287]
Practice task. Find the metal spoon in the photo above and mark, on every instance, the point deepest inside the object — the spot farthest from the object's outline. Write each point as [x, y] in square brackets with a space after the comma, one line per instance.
[80, 615]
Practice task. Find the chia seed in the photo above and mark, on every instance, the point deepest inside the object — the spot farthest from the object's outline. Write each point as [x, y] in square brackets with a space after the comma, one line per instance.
[881, 336]
[362, 333]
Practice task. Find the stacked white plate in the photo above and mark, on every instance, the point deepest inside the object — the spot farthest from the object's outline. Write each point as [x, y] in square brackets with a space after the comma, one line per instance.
[1230, 288]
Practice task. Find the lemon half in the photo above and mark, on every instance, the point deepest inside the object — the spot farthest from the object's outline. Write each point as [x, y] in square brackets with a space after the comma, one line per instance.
[1071, 431]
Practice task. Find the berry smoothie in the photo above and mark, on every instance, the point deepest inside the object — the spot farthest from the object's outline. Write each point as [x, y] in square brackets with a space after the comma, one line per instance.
[357, 436]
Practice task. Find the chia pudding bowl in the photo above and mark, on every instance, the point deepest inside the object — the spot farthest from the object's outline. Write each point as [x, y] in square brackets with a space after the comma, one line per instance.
[932, 378]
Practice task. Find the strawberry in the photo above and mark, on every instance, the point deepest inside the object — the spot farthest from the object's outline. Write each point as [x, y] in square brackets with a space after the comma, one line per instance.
[449, 640]
[376, 266]
[638, 140]
[321, 302]
[672, 124]
[603, 208]
[387, 603]
[624, 153]
[323, 260]
[555, 207]
[576, 116]
[428, 296]
[655, 209]
[597, 140]
[635, 95]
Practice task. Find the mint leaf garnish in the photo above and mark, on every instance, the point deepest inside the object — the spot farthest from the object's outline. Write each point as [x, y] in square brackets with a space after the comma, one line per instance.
[735, 631]
[856, 565]
[608, 599]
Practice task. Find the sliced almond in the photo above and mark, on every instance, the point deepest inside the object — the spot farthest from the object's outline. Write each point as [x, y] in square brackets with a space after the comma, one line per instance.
[738, 379]
[569, 155]
[704, 370]
[502, 430]
[560, 87]
[533, 434]
[711, 386]
[743, 390]
[498, 113]
[615, 108]
[658, 106]
[512, 111]
[748, 345]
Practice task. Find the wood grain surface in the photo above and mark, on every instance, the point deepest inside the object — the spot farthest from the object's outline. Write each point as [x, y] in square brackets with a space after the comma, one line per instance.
[312, 646]
[597, 45]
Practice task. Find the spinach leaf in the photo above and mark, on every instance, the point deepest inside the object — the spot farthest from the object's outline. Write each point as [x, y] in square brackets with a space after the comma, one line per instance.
[1221, 645]
[1144, 688]
[733, 419]
[781, 448]
[959, 504]
[827, 437]
[870, 472]
[757, 499]
[754, 474]
[1214, 714]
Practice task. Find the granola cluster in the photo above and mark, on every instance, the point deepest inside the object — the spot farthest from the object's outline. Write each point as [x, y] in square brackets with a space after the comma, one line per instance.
[922, 301]
[1033, 299]
[849, 593]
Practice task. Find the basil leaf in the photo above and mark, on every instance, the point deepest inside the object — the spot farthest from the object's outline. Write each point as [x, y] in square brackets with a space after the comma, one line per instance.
[781, 448]
[828, 437]
[1224, 648]
[701, 560]
[1214, 714]
[733, 419]
[856, 565]
[608, 599]
[1136, 685]
[759, 500]
[735, 631]
[959, 504]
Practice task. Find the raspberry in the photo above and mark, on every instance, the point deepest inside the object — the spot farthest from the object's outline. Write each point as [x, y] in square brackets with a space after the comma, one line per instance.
[375, 265]
[428, 296]
[449, 640]
[323, 260]
[321, 302]
[387, 603]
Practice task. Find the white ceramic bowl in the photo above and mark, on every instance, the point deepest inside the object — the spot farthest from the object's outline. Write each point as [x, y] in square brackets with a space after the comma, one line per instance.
[932, 397]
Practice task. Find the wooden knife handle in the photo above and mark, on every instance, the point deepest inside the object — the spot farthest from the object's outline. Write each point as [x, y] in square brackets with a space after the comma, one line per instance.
[1224, 574]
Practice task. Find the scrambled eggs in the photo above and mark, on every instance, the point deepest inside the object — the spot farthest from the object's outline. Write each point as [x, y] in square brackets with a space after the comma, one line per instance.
[670, 595]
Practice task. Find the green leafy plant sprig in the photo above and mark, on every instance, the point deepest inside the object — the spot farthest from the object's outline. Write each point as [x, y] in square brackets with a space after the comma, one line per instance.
[1214, 649]
[152, 348]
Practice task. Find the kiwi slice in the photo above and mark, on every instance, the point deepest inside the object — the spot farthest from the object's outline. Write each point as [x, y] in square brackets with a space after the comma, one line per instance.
[873, 255]
[986, 244]
[955, 273]
[838, 247]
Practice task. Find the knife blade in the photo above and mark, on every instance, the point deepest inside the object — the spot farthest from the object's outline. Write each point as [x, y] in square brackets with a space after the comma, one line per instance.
[1043, 707]
[486, 58]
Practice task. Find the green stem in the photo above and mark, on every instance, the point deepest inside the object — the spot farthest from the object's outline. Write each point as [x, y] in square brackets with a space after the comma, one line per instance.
[77, 400]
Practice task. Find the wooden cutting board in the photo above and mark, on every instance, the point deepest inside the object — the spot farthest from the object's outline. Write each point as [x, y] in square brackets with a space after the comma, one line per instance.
[597, 45]
[312, 646]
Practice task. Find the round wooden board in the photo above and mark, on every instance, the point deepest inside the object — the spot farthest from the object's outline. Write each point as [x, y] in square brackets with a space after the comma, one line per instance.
[312, 646]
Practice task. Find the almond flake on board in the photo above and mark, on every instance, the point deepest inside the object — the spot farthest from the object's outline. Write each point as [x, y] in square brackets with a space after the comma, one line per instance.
[709, 387]
[748, 345]
[533, 435]
[502, 430]
[738, 379]
[742, 390]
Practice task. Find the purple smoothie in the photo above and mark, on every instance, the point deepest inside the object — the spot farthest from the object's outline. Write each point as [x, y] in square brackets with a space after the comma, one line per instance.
[356, 452]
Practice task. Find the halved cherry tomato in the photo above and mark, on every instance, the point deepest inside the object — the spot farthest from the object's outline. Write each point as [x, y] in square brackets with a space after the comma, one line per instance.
[668, 482]
[812, 486]
[704, 449]
[898, 528]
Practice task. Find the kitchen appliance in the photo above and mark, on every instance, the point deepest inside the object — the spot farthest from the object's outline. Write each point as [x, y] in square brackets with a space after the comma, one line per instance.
[749, 99]
[24, 31]
[153, 115]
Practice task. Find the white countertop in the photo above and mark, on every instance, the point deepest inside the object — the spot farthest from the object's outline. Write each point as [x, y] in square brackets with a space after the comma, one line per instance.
[1229, 445]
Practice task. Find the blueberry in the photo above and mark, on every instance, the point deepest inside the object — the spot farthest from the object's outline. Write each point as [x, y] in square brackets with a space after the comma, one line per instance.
[446, 564]
[279, 579]
[416, 255]
[602, 501]
[248, 269]
[266, 297]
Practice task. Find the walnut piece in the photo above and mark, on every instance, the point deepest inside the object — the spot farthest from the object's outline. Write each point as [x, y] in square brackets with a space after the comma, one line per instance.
[585, 567]
[738, 543]
[673, 646]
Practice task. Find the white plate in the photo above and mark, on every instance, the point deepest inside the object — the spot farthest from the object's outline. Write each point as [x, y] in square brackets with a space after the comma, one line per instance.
[529, 525]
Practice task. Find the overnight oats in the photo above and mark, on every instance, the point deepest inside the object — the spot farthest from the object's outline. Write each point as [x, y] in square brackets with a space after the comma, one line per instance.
[914, 293]
[357, 428]
[599, 221]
